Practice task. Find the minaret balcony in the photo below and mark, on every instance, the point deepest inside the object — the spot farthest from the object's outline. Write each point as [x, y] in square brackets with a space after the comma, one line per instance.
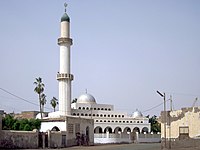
[64, 40]
[61, 76]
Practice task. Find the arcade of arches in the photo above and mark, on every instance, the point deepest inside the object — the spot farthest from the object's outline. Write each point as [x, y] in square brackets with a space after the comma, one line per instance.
[120, 130]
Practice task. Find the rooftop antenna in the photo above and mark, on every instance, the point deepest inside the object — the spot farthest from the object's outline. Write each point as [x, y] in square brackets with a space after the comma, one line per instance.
[65, 4]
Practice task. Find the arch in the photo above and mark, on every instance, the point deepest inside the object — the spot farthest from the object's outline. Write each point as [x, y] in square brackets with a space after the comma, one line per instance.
[87, 134]
[127, 129]
[117, 130]
[98, 130]
[136, 129]
[145, 129]
[55, 128]
[74, 114]
[109, 129]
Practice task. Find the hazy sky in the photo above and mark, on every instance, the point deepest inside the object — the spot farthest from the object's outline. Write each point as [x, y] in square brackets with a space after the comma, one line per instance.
[123, 51]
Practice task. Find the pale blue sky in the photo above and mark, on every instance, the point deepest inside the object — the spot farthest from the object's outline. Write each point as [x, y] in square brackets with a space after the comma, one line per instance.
[124, 50]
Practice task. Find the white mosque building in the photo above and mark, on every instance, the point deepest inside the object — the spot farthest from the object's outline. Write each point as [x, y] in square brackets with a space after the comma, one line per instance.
[106, 119]
[86, 116]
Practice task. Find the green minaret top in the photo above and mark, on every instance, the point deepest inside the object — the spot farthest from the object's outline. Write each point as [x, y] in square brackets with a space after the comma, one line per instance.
[65, 17]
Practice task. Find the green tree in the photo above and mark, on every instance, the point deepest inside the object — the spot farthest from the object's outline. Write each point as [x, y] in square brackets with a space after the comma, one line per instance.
[54, 103]
[155, 125]
[8, 122]
[39, 89]
[27, 127]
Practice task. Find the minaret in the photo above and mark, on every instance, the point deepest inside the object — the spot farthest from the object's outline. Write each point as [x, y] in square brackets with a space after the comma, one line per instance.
[64, 76]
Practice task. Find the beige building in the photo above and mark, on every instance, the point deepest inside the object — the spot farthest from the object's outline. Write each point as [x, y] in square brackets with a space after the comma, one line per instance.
[182, 127]
[183, 122]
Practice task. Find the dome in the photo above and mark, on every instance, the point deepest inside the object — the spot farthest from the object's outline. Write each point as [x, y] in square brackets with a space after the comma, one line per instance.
[86, 98]
[38, 116]
[137, 114]
[65, 17]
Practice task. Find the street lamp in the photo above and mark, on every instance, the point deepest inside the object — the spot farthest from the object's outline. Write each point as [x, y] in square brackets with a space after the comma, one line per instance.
[163, 95]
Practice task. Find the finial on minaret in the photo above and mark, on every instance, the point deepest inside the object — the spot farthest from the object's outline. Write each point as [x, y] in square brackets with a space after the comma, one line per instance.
[86, 91]
[65, 4]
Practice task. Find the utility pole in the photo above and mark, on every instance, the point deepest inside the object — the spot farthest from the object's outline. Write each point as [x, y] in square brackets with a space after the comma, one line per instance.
[163, 95]
[170, 122]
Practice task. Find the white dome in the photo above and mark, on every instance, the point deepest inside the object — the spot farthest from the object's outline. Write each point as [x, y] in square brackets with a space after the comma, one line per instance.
[137, 114]
[86, 98]
[38, 116]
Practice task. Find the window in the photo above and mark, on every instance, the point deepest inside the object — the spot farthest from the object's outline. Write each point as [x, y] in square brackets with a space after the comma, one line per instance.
[102, 109]
[115, 115]
[95, 109]
[123, 121]
[93, 115]
[83, 108]
[86, 114]
[120, 121]
[89, 114]
[87, 108]
[97, 115]
[109, 109]
[127, 121]
[100, 120]
[104, 115]
[106, 109]
[119, 116]
[78, 114]
[141, 121]
[112, 115]
[122, 116]
[101, 115]
[131, 121]
[79, 108]
[138, 122]
[97, 120]
[98, 108]
[108, 115]
[112, 121]
[184, 131]
[82, 114]
[116, 121]
[104, 120]
[70, 128]
[108, 120]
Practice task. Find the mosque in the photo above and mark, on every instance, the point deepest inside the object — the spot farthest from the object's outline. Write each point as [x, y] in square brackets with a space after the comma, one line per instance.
[85, 116]
[106, 119]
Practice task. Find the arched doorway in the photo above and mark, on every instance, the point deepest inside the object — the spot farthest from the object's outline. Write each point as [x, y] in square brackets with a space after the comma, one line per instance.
[98, 130]
[109, 129]
[136, 129]
[55, 128]
[87, 135]
[117, 130]
[145, 129]
[127, 129]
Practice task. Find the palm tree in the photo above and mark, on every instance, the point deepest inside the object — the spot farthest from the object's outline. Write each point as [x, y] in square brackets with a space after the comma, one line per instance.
[43, 101]
[39, 89]
[54, 103]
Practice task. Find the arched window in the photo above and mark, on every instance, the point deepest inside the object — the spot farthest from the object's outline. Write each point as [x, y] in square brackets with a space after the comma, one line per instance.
[83, 108]
[102, 109]
[108, 115]
[98, 108]
[119, 116]
[106, 109]
[82, 114]
[93, 115]
[98, 130]
[109, 109]
[79, 108]
[104, 115]
[87, 108]
[86, 114]
[115, 115]
[95, 109]
[101, 115]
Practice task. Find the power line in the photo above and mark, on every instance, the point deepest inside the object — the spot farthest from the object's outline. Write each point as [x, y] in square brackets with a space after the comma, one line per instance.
[21, 98]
